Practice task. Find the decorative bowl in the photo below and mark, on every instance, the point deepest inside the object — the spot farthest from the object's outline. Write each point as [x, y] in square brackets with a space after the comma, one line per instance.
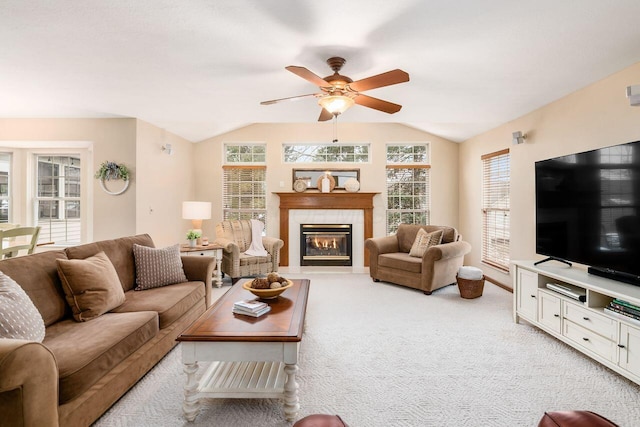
[267, 293]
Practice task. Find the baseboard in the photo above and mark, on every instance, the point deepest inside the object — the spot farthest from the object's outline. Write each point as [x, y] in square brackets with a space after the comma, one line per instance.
[498, 284]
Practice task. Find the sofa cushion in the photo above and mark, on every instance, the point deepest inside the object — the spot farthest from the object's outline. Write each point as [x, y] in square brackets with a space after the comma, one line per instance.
[406, 234]
[400, 261]
[157, 267]
[424, 241]
[91, 285]
[119, 251]
[251, 260]
[87, 351]
[19, 318]
[37, 274]
[170, 302]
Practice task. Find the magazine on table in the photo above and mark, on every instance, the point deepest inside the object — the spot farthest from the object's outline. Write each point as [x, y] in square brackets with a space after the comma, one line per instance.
[240, 310]
[250, 304]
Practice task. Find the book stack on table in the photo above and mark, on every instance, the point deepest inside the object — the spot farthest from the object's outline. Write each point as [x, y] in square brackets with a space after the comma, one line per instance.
[624, 309]
[251, 307]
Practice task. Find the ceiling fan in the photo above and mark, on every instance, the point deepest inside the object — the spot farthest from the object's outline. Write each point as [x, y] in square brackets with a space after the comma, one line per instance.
[338, 92]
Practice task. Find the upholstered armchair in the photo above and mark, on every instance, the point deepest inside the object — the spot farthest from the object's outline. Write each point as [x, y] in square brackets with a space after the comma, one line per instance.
[390, 260]
[236, 237]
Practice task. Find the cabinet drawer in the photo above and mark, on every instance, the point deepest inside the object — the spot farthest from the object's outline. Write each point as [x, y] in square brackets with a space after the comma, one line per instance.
[589, 319]
[549, 313]
[201, 253]
[590, 341]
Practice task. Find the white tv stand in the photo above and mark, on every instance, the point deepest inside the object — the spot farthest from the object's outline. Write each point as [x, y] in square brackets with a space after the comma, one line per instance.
[612, 341]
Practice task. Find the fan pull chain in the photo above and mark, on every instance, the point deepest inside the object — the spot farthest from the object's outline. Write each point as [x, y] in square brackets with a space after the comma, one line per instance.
[335, 128]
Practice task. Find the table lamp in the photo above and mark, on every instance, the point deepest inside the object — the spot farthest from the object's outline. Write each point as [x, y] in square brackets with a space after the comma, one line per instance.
[196, 212]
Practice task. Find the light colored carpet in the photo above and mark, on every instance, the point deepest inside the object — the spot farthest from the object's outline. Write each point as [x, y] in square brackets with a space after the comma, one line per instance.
[383, 355]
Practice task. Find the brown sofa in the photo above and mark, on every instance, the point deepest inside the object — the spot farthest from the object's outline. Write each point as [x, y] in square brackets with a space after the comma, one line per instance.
[389, 258]
[82, 368]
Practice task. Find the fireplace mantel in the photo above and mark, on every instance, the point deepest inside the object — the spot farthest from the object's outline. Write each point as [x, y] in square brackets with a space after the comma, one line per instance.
[317, 200]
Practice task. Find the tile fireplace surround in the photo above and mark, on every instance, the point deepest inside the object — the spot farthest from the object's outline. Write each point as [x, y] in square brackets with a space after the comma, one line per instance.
[325, 208]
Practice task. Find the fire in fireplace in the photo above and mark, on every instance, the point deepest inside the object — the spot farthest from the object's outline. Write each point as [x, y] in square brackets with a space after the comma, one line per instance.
[325, 244]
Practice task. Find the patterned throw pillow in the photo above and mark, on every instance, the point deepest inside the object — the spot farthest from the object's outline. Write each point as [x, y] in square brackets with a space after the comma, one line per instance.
[19, 318]
[157, 267]
[91, 286]
[424, 241]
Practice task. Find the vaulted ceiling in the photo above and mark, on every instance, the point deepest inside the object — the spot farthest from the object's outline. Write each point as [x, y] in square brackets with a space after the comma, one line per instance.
[200, 68]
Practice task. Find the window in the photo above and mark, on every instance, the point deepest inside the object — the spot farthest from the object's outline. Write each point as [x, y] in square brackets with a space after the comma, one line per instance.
[5, 185]
[245, 153]
[245, 182]
[244, 193]
[326, 153]
[495, 209]
[407, 185]
[57, 198]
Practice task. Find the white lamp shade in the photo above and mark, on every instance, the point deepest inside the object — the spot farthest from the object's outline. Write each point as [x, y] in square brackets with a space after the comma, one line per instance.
[336, 104]
[196, 210]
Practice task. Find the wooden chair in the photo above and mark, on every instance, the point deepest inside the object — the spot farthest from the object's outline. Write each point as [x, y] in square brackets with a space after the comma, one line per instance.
[18, 239]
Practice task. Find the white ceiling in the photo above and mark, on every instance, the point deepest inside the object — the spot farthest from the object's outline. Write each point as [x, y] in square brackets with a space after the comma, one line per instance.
[200, 68]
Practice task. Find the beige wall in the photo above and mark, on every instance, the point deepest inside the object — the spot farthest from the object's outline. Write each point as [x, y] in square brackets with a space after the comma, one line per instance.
[158, 181]
[596, 116]
[163, 183]
[444, 170]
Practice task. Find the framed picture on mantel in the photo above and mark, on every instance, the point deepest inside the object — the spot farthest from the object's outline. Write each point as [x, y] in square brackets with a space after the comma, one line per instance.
[311, 176]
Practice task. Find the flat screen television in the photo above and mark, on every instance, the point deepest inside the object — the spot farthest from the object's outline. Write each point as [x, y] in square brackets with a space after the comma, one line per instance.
[588, 210]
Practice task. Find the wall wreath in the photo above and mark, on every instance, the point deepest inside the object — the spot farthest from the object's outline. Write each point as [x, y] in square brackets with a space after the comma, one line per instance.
[112, 170]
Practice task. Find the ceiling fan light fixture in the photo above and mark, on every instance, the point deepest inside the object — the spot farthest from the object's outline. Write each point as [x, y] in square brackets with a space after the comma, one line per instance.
[336, 104]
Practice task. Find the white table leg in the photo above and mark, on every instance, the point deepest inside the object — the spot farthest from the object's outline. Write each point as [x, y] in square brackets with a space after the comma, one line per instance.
[291, 399]
[217, 266]
[191, 403]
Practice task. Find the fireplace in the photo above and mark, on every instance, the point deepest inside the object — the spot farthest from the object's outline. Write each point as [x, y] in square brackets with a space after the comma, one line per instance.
[325, 244]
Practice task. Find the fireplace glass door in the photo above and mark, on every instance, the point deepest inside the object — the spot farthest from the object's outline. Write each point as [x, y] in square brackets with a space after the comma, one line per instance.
[325, 244]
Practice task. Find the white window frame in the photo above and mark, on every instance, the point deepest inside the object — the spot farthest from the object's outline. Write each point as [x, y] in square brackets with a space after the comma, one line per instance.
[318, 145]
[22, 185]
[231, 213]
[424, 164]
[225, 153]
[10, 178]
[62, 200]
[496, 239]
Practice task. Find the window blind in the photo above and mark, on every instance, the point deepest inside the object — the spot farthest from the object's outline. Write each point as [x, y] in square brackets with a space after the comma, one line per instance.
[245, 192]
[496, 176]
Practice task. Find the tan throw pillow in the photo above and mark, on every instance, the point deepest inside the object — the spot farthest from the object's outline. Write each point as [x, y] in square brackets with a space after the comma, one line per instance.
[424, 241]
[91, 286]
[157, 267]
[19, 318]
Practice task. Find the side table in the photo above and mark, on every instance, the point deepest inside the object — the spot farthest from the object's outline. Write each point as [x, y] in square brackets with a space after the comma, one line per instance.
[212, 250]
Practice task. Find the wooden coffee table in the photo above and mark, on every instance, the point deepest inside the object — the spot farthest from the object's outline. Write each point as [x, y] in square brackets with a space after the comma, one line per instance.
[251, 357]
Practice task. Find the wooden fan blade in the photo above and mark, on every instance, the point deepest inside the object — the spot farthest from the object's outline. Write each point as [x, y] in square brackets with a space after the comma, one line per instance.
[385, 79]
[291, 98]
[325, 115]
[377, 104]
[308, 75]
